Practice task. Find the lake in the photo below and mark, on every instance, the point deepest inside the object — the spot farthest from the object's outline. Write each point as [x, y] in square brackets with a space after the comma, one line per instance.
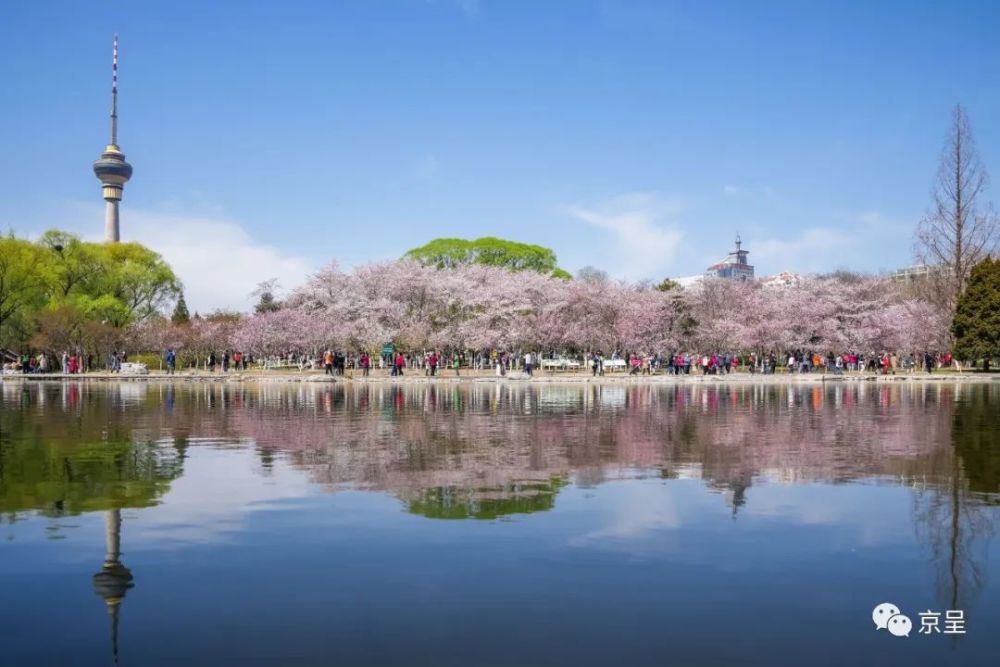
[498, 523]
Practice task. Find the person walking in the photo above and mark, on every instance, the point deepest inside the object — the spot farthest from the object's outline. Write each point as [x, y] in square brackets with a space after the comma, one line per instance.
[398, 363]
[365, 363]
[432, 363]
[527, 363]
[211, 362]
[171, 361]
[456, 364]
[328, 362]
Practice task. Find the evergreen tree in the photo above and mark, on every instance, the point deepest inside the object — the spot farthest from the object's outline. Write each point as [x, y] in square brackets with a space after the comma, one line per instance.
[267, 302]
[976, 326]
[180, 315]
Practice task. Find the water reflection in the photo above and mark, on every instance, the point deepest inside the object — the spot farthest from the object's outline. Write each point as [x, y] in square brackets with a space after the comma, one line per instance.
[492, 451]
[952, 516]
[114, 579]
[74, 448]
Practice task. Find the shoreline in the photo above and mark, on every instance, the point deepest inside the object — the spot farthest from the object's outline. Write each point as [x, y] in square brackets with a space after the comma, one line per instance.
[513, 377]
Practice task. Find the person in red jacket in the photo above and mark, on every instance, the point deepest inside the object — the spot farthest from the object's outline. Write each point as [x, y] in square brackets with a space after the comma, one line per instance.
[398, 363]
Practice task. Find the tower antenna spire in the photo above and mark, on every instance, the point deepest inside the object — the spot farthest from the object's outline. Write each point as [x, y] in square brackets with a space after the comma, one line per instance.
[114, 93]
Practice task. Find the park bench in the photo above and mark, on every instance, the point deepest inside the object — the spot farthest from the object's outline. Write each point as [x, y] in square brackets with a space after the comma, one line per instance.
[560, 364]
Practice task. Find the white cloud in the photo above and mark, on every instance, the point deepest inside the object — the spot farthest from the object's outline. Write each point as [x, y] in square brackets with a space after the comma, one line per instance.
[765, 193]
[811, 250]
[638, 508]
[867, 239]
[644, 244]
[215, 498]
[218, 261]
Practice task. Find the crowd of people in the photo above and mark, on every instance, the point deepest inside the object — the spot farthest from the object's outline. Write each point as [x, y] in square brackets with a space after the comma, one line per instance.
[67, 364]
[796, 361]
[501, 362]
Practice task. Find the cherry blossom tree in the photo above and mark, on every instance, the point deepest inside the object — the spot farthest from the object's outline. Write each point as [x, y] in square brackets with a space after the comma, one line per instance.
[479, 308]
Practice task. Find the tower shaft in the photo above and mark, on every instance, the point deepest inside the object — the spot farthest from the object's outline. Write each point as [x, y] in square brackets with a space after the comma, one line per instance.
[112, 232]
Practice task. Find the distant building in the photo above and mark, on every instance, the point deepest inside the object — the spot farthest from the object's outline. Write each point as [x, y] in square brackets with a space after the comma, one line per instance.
[913, 273]
[781, 280]
[734, 267]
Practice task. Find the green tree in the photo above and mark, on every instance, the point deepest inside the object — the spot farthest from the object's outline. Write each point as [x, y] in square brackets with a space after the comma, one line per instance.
[666, 285]
[491, 251]
[976, 326]
[117, 283]
[66, 327]
[139, 279]
[180, 314]
[24, 280]
[62, 280]
[75, 266]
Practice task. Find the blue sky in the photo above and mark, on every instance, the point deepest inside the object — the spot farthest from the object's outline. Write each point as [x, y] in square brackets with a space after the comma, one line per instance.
[269, 138]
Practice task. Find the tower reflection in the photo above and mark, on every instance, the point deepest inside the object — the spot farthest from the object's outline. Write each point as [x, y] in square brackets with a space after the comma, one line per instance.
[114, 579]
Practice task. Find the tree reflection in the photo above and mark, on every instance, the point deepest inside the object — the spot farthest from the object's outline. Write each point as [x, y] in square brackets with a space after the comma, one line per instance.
[97, 466]
[955, 517]
[449, 502]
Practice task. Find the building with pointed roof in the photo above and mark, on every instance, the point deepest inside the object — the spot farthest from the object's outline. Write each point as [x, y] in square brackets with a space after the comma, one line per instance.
[734, 267]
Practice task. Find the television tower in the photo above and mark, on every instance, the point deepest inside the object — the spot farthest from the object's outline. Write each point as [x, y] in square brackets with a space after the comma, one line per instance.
[112, 169]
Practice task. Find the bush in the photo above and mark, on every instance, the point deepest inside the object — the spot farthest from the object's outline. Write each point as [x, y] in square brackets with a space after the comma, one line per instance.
[153, 361]
[185, 360]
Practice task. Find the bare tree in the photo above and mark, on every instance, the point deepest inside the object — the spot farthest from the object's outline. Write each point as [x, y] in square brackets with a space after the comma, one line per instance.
[960, 229]
[591, 274]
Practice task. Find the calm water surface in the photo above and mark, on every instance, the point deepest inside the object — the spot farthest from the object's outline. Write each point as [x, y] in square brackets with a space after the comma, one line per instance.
[496, 525]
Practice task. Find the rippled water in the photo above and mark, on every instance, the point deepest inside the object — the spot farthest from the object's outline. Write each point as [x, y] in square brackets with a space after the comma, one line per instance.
[496, 524]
